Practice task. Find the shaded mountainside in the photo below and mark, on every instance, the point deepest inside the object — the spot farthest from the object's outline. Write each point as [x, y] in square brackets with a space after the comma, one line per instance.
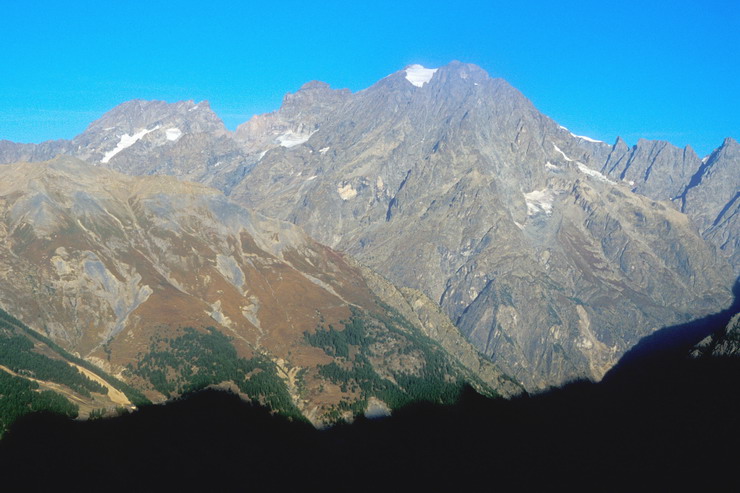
[669, 423]
[171, 287]
[451, 183]
[661, 432]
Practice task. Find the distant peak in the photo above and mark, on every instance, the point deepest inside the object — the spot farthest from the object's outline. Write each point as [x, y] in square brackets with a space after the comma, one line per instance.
[419, 75]
[729, 141]
[314, 84]
[620, 142]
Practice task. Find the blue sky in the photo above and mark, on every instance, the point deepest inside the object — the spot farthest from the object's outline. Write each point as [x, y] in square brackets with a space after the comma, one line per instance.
[660, 70]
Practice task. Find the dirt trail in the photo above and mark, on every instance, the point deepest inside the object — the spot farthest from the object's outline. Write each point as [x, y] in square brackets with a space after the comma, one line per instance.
[114, 394]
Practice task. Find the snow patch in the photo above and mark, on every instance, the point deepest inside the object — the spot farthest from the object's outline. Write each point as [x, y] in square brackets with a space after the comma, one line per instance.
[173, 134]
[549, 165]
[561, 153]
[323, 150]
[126, 142]
[346, 191]
[193, 108]
[292, 139]
[418, 75]
[539, 201]
[592, 172]
[311, 178]
[587, 139]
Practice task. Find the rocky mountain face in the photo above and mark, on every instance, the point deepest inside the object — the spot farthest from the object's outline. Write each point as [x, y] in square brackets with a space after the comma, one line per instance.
[458, 187]
[707, 190]
[168, 285]
[182, 139]
[551, 253]
[300, 115]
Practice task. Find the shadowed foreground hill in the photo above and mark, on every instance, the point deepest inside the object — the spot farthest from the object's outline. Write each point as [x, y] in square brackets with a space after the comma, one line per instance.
[662, 421]
[662, 431]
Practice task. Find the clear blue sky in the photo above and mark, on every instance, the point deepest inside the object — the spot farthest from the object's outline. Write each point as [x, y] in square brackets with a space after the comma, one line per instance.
[663, 70]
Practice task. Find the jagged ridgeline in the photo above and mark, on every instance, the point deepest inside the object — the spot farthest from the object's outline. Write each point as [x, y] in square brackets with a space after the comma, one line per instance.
[37, 375]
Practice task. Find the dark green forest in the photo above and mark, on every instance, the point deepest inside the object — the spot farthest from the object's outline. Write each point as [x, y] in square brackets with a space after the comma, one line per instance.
[196, 359]
[16, 353]
[19, 396]
[9, 325]
[389, 336]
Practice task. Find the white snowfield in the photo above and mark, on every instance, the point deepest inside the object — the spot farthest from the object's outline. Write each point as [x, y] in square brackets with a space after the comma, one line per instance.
[291, 139]
[583, 168]
[126, 142]
[173, 133]
[588, 139]
[592, 172]
[418, 75]
[583, 137]
[561, 153]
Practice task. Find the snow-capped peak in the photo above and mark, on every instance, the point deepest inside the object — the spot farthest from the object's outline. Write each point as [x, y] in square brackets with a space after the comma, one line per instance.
[418, 75]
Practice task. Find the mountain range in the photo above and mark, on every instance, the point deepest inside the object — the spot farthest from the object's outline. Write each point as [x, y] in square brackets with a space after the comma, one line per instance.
[350, 252]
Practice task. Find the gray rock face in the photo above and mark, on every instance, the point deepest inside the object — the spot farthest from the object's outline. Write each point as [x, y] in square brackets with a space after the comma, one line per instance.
[654, 167]
[182, 139]
[461, 189]
[712, 200]
[706, 190]
[300, 115]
